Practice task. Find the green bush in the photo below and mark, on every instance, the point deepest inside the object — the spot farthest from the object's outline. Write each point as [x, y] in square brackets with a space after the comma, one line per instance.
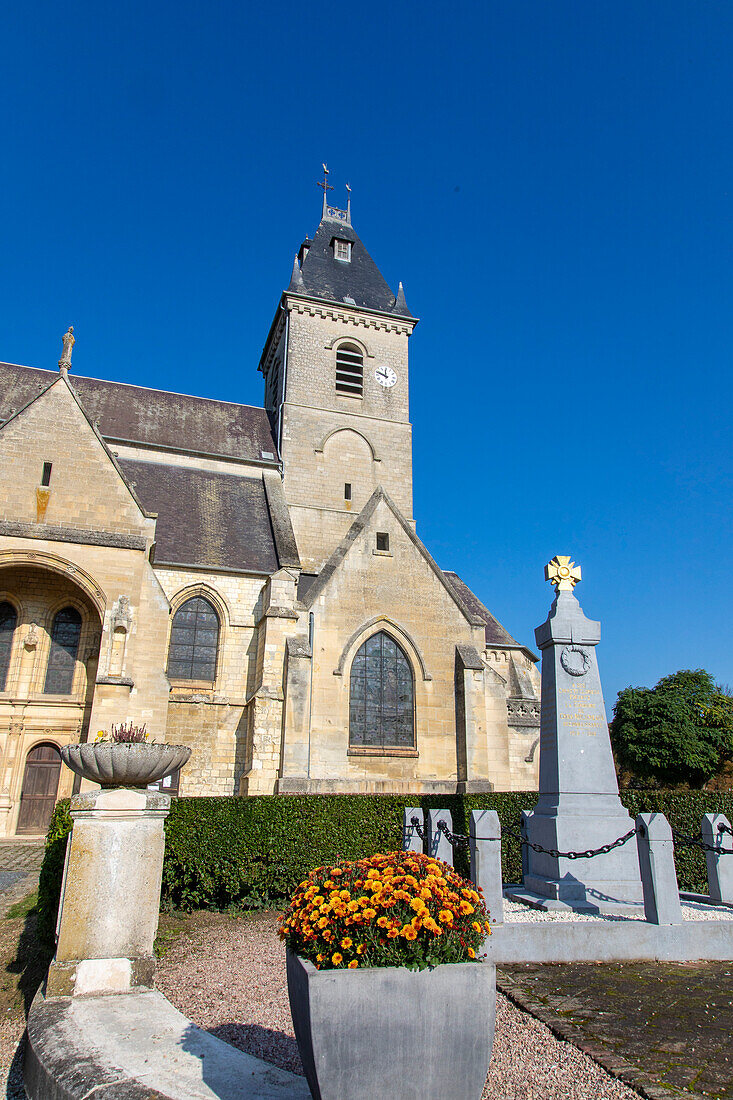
[52, 871]
[251, 853]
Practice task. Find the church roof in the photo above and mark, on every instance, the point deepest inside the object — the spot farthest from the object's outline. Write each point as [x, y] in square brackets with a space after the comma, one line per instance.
[157, 418]
[357, 282]
[205, 518]
[494, 631]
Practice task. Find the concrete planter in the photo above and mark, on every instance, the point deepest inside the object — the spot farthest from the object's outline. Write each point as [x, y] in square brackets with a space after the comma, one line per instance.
[124, 765]
[389, 1031]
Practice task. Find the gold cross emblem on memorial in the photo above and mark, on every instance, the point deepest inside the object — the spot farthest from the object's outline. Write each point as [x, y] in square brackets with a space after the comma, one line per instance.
[563, 573]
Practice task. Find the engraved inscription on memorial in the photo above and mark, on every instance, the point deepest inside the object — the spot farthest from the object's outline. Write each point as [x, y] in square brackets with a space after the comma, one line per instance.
[580, 710]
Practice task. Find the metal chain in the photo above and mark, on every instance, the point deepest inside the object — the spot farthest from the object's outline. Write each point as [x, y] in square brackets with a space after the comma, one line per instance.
[457, 839]
[698, 842]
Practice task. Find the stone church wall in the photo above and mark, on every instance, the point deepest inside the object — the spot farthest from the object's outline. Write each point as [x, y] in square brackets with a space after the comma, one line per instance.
[213, 720]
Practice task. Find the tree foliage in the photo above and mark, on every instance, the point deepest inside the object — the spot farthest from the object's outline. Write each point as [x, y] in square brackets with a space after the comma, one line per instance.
[679, 731]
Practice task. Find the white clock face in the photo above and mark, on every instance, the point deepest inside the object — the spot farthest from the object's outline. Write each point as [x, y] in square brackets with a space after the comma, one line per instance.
[385, 376]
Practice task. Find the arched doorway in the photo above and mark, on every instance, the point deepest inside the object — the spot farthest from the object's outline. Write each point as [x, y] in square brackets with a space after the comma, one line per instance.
[40, 787]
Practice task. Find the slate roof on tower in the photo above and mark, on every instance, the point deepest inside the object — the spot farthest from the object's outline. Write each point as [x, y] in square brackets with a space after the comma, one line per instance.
[357, 281]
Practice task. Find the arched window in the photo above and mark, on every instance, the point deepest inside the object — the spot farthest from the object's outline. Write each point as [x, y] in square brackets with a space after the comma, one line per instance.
[194, 641]
[381, 711]
[8, 623]
[65, 635]
[349, 370]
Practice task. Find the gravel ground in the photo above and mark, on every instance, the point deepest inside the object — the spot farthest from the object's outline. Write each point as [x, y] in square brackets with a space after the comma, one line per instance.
[228, 976]
[516, 913]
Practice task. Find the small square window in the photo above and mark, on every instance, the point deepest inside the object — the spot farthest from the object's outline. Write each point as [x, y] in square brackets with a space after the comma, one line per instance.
[46, 476]
[342, 250]
[347, 491]
[382, 540]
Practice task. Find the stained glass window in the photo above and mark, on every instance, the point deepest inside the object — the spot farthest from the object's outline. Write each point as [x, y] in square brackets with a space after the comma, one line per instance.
[381, 712]
[8, 622]
[194, 641]
[65, 635]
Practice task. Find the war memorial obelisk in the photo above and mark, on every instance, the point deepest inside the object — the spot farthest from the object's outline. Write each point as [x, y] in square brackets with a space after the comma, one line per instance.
[579, 806]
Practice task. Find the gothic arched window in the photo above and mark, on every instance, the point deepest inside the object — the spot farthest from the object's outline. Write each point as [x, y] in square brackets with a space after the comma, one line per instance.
[65, 635]
[194, 641]
[349, 370]
[8, 623]
[381, 710]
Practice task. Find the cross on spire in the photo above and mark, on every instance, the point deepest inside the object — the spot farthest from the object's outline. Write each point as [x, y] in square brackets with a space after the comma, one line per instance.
[326, 186]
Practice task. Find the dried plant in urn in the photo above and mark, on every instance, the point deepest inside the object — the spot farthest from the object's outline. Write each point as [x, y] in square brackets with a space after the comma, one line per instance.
[387, 977]
[124, 757]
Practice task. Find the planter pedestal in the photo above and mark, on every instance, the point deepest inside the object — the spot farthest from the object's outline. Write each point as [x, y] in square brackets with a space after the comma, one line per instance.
[389, 1031]
[108, 916]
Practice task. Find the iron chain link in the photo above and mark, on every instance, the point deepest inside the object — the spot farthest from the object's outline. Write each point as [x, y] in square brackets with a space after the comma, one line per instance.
[458, 840]
[698, 842]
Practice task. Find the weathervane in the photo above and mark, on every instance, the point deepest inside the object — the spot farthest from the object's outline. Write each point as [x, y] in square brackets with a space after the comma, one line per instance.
[326, 186]
[563, 573]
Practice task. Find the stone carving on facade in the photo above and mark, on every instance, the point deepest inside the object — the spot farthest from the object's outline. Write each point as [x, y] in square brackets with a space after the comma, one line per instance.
[31, 639]
[68, 343]
[122, 614]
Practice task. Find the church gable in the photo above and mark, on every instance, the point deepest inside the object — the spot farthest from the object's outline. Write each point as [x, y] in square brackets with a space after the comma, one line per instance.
[382, 552]
[57, 471]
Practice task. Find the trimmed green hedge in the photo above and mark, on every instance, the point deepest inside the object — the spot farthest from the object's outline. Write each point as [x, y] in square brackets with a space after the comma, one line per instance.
[250, 853]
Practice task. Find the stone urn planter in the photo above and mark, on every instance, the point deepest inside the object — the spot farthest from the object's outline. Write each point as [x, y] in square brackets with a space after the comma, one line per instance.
[389, 1031]
[120, 764]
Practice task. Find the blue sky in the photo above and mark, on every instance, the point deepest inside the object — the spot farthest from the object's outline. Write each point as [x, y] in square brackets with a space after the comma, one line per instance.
[552, 183]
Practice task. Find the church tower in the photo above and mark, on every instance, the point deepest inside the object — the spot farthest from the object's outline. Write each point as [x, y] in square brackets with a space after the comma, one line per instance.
[336, 386]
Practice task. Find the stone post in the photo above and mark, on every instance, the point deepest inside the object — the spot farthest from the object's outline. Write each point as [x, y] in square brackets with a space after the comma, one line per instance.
[484, 836]
[438, 844]
[658, 874]
[110, 898]
[720, 868]
[411, 840]
[523, 821]
[579, 806]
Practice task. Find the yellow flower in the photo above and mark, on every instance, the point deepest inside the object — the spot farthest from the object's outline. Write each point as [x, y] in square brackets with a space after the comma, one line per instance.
[382, 922]
[353, 964]
[392, 933]
[471, 953]
[337, 958]
[466, 908]
[445, 916]
[346, 943]
[369, 914]
[360, 949]
[476, 926]
[352, 906]
[320, 958]
[410, 934]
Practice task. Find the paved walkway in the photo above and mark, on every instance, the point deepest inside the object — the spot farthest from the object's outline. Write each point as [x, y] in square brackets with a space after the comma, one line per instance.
[21, 855]
[659, 1027]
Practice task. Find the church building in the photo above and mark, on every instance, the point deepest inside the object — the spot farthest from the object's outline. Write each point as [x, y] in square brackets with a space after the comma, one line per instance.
[248, 581]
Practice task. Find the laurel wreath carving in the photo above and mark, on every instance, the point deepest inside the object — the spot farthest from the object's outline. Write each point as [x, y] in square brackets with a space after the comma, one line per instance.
[566, 660]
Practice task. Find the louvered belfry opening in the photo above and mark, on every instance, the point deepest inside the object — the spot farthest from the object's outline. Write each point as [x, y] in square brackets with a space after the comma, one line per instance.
[349, 370]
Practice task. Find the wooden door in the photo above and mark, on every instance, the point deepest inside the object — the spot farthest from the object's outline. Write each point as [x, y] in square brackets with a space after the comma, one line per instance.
[40, 787]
